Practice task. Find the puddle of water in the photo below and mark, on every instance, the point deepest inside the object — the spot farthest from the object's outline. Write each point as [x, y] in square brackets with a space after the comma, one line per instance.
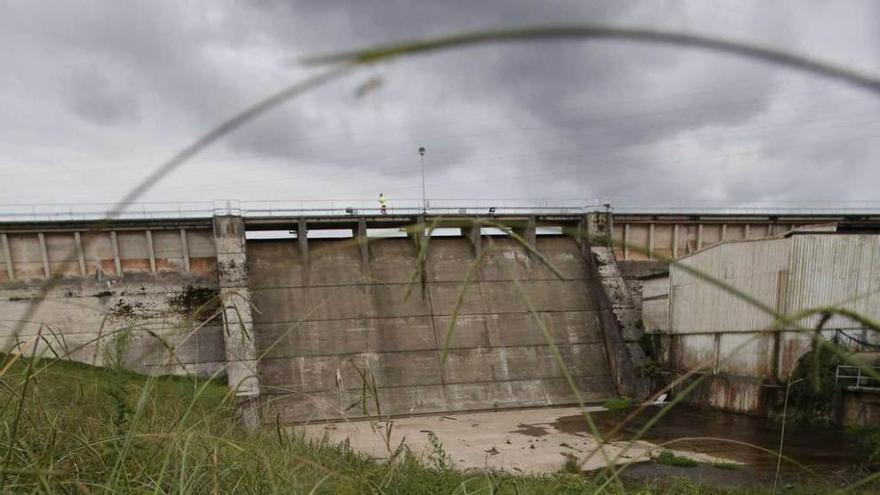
[532, 430]
[828, 451]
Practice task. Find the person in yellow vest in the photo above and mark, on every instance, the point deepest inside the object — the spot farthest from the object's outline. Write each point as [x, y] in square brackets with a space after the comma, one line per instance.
[383, 205]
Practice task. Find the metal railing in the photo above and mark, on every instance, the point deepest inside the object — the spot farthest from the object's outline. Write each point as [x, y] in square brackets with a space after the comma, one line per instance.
[104, 211]
[207, 209]
[415, 207]
[332, 207]
[852, 377]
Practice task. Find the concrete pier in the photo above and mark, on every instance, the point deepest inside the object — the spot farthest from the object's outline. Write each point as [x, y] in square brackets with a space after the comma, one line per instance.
[238, 322]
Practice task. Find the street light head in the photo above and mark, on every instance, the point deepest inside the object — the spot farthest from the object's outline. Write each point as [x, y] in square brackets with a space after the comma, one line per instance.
[422, 150]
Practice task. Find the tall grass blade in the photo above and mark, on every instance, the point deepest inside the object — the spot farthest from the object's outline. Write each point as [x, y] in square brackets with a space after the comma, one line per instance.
[600, 32]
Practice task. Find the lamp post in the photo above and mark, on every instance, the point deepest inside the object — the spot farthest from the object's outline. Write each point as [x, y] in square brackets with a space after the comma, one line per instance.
[424, 198]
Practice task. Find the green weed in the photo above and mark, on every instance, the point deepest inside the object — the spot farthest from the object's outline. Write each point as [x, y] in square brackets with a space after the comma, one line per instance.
[618, 403]
[571, 465]
[668, 458]
[439, 459]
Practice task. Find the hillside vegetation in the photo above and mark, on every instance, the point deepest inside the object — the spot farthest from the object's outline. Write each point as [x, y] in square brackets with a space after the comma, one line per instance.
[73, 428]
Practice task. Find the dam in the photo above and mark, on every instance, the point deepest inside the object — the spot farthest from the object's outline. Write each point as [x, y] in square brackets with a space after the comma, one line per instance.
[350, 314]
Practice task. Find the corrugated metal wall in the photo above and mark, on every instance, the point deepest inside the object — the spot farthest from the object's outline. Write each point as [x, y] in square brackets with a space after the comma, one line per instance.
[832, 270]
[838, 270]
[720, 333]
[753, 267]
[730, 337]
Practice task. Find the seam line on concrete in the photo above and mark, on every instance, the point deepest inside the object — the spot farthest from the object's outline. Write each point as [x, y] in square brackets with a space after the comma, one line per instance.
[185, 364]
[144, 326]
[86, 297]
[436, 315]
[430, 349]
[425, 385]
[408, 283]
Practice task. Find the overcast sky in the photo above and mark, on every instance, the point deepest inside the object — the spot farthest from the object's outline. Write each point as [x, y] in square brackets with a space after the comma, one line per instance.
[93, 95]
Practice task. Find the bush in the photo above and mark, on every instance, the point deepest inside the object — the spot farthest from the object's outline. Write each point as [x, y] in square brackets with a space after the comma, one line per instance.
[813, 392]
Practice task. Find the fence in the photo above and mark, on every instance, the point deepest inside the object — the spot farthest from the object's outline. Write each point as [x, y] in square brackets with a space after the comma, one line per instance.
[205, 209]
[331, 207]
[852, 378]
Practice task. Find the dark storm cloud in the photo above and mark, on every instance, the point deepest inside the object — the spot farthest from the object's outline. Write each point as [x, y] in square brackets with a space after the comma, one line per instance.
[559, 86]
[562, 86]
[599, 119]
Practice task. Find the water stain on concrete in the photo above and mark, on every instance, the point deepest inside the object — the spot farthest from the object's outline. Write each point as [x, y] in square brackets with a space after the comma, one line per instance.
[200, 303]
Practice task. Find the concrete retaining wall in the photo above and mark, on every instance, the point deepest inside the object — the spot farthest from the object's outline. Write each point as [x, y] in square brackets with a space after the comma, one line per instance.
[121, 296]
[346, 320]
[860, 408]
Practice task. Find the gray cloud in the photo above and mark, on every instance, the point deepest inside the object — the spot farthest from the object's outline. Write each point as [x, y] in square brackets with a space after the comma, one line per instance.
[92, 96]
[615, 120]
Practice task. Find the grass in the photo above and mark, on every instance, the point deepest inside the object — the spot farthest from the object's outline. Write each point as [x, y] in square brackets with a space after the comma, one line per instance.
[183, 437]
[869, 437]
[617, 404]
[668, 458]
[91, 430]
[570, 465]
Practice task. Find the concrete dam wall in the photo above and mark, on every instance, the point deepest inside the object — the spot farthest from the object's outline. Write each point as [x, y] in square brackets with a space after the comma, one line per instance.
[323, 328]
[344, 322]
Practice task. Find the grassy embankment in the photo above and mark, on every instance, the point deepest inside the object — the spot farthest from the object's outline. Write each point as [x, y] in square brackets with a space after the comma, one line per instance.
[81, 429]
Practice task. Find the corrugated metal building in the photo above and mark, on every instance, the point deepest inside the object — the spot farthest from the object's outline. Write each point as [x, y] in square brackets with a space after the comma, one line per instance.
[737, 341]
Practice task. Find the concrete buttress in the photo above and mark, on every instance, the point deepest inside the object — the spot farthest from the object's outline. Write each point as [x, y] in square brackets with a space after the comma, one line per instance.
[238, 335]
[617, 315]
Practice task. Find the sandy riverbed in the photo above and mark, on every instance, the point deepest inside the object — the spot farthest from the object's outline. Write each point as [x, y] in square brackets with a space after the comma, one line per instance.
[524, 440]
